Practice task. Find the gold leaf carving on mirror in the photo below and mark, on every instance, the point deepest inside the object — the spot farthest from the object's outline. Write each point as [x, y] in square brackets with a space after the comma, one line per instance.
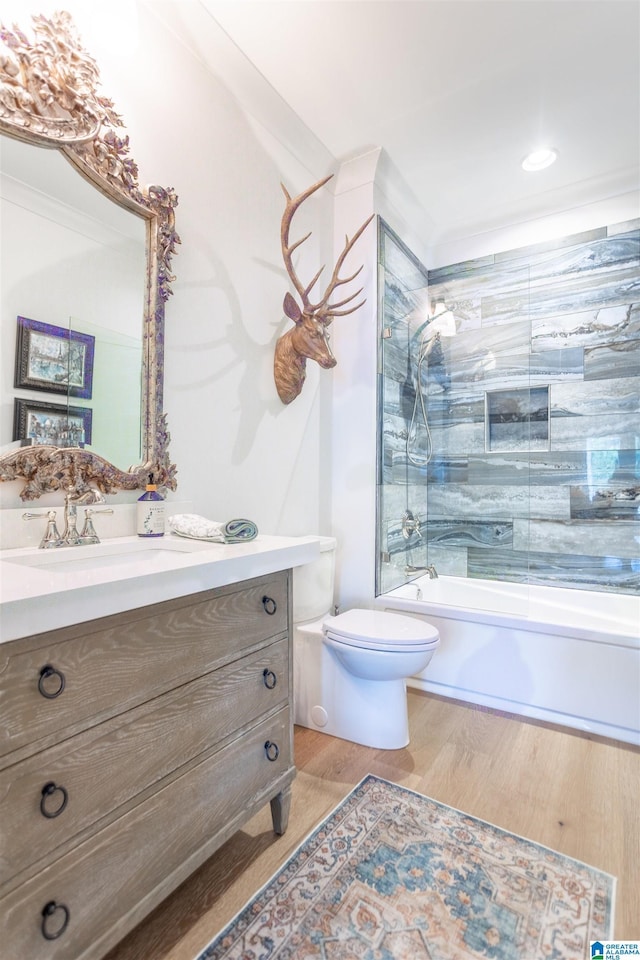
[48, 97]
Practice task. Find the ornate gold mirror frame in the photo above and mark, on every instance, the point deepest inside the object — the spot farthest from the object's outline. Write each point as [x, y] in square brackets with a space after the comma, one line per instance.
[48, 97]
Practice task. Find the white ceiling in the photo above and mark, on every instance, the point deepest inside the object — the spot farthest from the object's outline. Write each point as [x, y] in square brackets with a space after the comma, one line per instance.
[456, 92]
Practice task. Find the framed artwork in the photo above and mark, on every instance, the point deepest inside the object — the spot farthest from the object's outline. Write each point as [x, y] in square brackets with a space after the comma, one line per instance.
[54, 359]
[51, 423]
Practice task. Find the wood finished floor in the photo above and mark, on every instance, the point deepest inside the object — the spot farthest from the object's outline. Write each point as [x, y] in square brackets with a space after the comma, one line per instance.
[572, 792]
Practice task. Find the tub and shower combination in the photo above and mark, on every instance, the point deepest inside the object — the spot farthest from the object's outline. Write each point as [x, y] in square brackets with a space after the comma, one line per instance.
[509, 457]
[566, 656]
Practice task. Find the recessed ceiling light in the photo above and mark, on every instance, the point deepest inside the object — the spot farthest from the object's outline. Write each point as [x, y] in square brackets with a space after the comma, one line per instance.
[539, 159]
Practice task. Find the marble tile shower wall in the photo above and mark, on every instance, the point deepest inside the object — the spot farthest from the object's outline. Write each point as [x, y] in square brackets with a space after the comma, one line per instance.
[533, 412]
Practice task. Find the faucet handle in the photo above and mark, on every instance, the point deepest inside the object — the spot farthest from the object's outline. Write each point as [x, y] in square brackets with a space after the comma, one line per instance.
[91, 513]
[88, 534]
[51, 537]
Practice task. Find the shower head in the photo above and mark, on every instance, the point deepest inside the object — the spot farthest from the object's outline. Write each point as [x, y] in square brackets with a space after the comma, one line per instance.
[440, 323]
[443, 320]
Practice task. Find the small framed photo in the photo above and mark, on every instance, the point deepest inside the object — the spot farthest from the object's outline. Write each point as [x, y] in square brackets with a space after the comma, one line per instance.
[52, 423]
[54, 359]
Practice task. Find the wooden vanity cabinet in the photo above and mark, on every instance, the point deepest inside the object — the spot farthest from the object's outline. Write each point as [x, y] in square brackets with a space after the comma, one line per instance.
[131, 748]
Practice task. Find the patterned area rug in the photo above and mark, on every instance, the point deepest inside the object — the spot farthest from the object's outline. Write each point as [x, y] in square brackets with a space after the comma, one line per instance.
[393, 875]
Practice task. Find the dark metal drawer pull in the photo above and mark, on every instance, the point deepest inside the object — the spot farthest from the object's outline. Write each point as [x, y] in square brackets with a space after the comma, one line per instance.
[269, 678]
[272, 750]
[48, 791]
[269, 605]
[48, 911]
[47, 672]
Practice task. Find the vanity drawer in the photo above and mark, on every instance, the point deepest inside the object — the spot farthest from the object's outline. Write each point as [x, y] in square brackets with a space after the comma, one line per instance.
[106, 666]
[97, 771]
[149, 850]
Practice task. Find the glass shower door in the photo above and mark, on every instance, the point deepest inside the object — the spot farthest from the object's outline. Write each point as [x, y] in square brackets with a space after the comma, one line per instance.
[401, 482]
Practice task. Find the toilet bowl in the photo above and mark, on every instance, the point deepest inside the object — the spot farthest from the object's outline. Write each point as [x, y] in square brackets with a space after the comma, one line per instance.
[376, 645]
[350, 670]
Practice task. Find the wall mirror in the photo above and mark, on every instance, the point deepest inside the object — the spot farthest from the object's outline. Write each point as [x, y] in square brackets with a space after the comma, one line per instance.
[85, 272]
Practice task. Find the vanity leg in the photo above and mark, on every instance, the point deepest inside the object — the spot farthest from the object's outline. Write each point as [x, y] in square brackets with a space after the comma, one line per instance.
[280, 805]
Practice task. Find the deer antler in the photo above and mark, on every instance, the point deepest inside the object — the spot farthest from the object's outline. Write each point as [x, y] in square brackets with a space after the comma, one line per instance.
[323, 310]
[308, 339]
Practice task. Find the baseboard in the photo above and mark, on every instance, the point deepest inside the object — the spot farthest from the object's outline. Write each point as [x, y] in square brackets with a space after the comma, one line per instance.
[503, 705]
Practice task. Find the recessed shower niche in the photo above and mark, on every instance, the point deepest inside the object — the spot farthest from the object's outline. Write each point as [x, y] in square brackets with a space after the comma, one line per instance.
[517, 420]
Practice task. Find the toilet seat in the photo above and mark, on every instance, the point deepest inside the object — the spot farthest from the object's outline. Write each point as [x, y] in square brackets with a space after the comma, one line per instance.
[380, 630]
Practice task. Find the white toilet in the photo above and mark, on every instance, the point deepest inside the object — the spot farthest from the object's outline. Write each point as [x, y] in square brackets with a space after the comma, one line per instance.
[350, 670]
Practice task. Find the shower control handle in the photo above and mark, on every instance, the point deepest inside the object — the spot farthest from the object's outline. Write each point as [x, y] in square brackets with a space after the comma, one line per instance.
[410, 524]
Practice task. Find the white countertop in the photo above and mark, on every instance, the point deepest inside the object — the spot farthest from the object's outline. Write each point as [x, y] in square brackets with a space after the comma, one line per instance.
[45, 589]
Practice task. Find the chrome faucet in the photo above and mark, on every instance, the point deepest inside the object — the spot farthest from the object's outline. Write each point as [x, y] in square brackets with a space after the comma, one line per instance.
[70, 536]
[431, 571]
[70, 533]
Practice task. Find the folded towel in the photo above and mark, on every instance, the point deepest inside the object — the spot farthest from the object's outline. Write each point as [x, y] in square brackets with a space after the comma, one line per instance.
[199, 528]
[236, 531]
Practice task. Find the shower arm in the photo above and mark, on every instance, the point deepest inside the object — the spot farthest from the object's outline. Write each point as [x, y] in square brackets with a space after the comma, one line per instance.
[423, 329]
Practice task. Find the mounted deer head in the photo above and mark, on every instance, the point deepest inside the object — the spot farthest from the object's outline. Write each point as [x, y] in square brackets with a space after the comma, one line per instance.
[309, 338]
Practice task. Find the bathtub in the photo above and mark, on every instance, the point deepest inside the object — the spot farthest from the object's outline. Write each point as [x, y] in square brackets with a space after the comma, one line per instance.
[565, 656]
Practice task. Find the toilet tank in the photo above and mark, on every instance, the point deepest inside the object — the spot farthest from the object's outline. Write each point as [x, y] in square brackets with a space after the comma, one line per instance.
[313, 584]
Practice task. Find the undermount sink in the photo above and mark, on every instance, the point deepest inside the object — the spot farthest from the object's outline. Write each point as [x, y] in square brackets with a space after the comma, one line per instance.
[151, 554]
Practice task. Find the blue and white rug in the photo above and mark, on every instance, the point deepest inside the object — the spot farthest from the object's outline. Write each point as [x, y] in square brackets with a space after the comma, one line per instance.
[393, 875]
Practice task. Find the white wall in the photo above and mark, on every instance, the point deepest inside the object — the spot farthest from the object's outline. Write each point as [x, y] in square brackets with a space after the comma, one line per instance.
[353, 407]
[239, 451]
